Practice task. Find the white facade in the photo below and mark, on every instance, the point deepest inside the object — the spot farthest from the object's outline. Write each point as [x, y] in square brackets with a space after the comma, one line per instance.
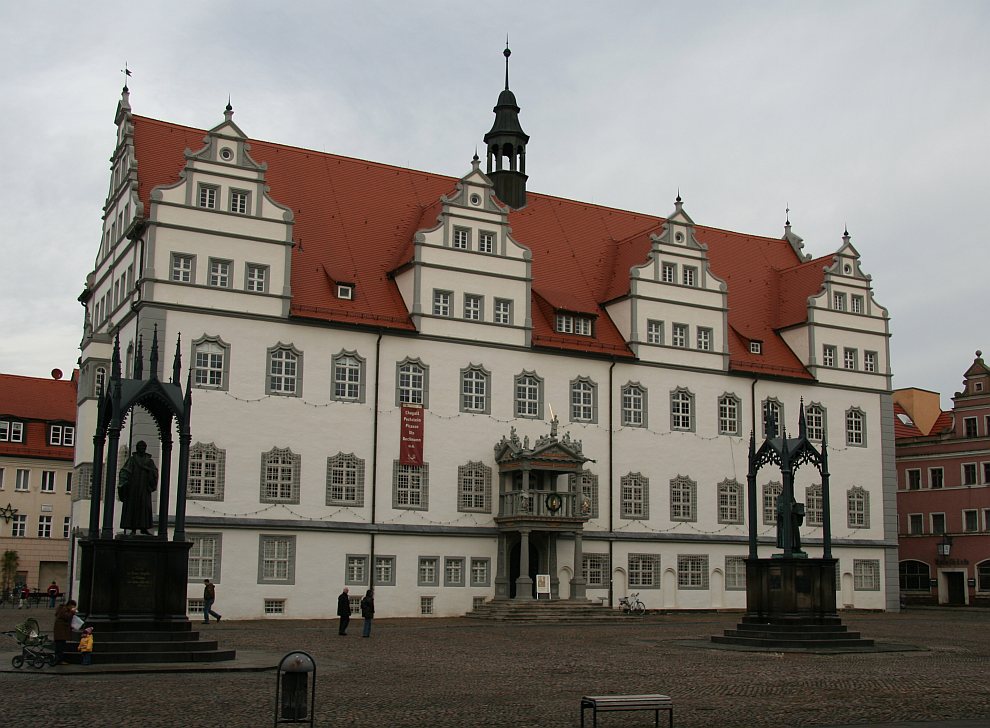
[241, 412]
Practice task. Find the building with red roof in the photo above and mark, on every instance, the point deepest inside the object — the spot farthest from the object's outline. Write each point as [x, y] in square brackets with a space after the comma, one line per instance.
[363, 340]
[943, 492]
[37, 440]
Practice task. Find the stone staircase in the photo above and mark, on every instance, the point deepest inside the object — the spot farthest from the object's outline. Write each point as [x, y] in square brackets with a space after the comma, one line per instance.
[546, 610]
[116, 643]
[799, 632]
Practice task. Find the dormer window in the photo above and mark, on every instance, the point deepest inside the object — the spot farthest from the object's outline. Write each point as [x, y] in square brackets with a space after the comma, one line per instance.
[839, 301]
[462, 238]
[756, 347]
[345, 291]
[486, 242]
[668, 273]
[208, 196]
[690, 276]
[239, 202]
[11, 431]
[857, 304]
[572, 324]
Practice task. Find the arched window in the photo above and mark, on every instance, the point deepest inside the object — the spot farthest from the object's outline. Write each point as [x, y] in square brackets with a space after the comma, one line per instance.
[915, 576]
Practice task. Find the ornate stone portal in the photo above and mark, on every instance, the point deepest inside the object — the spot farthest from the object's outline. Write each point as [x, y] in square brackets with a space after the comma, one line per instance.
[538, 503]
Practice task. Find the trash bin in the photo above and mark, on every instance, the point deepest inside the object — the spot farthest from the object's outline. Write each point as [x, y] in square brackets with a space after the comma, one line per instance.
[293, 689]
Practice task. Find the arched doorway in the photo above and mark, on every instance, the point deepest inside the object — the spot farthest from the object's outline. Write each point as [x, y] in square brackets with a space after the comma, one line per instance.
[534, 566]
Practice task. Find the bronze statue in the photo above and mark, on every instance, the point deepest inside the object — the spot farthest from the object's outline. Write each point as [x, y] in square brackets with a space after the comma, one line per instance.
[793, 513]
[138, 480]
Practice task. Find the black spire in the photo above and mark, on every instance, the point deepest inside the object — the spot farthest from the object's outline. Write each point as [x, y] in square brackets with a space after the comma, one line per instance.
[139, 358]
[507, 141]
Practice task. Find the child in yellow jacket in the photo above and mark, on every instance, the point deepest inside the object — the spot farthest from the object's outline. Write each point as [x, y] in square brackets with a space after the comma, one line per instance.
[86, 646]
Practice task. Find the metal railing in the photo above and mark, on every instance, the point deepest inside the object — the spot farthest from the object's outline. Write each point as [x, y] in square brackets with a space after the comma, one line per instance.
[540, 504]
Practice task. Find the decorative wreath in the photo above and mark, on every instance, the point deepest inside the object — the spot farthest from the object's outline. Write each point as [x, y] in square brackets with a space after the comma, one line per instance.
[554, 502]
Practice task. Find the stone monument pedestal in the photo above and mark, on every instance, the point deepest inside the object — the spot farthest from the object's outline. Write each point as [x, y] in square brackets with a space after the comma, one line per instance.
[790, 588]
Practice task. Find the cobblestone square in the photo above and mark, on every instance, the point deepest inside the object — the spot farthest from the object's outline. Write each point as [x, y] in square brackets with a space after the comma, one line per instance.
[466, 672]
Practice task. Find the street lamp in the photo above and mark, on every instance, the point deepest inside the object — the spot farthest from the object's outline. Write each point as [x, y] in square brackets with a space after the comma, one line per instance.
[945, 545]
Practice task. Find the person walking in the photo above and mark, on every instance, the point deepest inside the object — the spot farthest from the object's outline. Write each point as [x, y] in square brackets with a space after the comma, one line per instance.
[344, 612]
[209, 596]
[62, 631]
[368, 612]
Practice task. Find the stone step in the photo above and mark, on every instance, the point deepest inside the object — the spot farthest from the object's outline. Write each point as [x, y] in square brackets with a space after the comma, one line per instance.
[771, 634]
[792, 642]
[119, 658]
[761, 626]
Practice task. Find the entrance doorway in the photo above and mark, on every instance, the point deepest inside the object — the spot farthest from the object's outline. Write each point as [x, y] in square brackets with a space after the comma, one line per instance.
[534, 565]
[955, 584]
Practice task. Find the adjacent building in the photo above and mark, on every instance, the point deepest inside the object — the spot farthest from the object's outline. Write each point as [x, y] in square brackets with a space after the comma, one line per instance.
[447, 387]
[37, 440]
[943, 496]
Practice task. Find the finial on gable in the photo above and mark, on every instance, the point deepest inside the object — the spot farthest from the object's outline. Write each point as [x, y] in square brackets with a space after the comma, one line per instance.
[127, 72]
[506, 53]
[228, 113]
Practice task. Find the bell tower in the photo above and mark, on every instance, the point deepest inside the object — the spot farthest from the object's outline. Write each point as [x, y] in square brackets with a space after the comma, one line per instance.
[506, 145]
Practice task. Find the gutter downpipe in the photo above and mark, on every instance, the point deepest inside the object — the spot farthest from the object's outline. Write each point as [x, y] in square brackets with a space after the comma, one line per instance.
[611, 481]
[374, 463]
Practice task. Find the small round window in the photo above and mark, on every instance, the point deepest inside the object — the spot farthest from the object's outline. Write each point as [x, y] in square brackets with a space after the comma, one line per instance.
[475, 199]
[848, 269]
[679, 237]
[226, 154]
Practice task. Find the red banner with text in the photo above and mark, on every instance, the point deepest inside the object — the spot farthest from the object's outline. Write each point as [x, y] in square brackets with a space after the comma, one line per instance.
[411, 435]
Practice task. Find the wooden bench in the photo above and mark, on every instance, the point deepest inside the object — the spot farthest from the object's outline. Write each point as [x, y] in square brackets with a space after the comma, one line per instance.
[610, 703]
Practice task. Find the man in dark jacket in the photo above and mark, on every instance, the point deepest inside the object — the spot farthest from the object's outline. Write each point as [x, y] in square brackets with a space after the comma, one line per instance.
[368, 612]
[344, 612]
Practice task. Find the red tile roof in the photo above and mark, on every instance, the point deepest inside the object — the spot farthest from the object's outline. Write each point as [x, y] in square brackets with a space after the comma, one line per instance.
[37, 402]
[942, 424]
[355, 221]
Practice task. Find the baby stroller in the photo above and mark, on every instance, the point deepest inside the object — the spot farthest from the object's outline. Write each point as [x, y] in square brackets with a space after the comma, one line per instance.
[36, 648]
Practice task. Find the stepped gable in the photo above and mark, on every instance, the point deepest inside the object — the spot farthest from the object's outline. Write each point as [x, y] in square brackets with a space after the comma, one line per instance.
[356, 219]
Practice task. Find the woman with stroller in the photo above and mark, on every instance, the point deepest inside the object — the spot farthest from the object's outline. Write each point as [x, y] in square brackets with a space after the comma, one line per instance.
[63, 629]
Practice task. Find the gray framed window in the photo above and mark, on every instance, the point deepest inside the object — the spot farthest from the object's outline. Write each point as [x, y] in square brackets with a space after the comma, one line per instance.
[462, 238]
[850, 358]
[256, 278]
[644, 571]
[475, 397]
[634, 496]
[858, 507]
[481, 571]
[99, 379]
[735, 573]
[348, 377]
[839, 301]
[220, 273]
[486, 241]
[668, 272]
[280, 476]
[412, 383]
[689, 276]
[410, 486]
[866, 575]
[679, 335]
[869, 361]
[474, 488]
[529, 395]
[813, 512]
[654, 332]
[285, 364]
[441, 302]
[773, 407]
[729, 415]
[474, 307]
[276, 559]
[204, 557]
[240, 201]
[814, 418]
[682, 410]
[683, 499]
[356, 569]
[634, 405]
[828, 355]
[208, 196]
[206, 472]
[597, 571]
[384, 570]
[453, 571]
[857, 304]
[771, 492]
[731, 502]
[183, 268]
[211, 363]
[692, 571]
[705, 336]
[345, 480]
[584, 400]
[428, 571]
[426, 606]
[503, 311]
[585, 484]
[855, 427]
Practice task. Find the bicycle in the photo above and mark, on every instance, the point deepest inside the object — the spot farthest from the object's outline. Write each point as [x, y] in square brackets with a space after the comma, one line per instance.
[632, 604]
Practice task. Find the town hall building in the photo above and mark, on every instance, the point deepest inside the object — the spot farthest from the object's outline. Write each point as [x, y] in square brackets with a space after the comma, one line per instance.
[447, 387]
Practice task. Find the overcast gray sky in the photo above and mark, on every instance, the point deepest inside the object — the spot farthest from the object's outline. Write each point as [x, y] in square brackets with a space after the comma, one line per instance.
[874, 115]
